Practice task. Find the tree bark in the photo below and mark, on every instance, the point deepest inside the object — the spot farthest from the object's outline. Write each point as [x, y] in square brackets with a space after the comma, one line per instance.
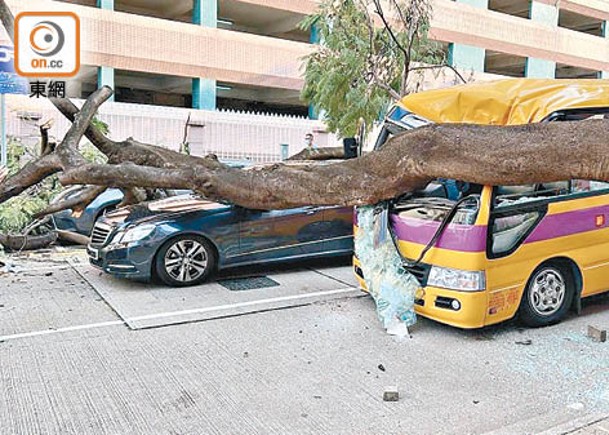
[318, 154]
[478, 154]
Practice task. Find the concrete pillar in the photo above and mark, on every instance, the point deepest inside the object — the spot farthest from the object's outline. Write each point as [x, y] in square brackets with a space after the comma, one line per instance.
[105, 74]
[314, 38]
[204, 93]
[542, 68]
[468, 57]
[105, 4]
[105, 77]
[604, 74]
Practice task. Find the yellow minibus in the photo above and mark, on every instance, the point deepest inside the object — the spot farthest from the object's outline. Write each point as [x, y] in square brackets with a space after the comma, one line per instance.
[483, 254]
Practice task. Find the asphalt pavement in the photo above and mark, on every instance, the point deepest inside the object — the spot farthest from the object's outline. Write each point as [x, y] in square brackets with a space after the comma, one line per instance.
[70, 364]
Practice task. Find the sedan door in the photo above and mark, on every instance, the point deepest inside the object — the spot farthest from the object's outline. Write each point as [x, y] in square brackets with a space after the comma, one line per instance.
[338, 229]
[279, 234]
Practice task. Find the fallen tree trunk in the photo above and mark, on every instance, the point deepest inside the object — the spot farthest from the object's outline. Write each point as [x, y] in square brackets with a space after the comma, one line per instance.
[315, 154]
[479, 154]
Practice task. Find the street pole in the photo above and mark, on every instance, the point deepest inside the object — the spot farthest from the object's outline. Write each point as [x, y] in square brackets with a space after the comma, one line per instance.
[4, 156]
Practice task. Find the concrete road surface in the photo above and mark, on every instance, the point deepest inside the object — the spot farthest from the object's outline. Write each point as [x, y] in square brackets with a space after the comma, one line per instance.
[70, 365]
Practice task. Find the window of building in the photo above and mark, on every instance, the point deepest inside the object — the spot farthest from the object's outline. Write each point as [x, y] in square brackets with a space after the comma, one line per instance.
[505, 64]
[580, 23]
[517, 8]
[564, 71]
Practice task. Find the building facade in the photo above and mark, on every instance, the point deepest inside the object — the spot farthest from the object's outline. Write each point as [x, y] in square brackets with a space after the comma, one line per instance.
[246, 55]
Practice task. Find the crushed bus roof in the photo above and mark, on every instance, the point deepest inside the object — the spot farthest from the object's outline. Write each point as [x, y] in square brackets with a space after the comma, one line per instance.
[507, 102]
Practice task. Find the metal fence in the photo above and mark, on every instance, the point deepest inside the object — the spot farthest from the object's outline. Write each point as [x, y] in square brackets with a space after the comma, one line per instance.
[228, 134]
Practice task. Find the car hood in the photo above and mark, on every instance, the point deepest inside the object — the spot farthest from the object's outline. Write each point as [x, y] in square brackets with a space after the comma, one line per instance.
[162, 210]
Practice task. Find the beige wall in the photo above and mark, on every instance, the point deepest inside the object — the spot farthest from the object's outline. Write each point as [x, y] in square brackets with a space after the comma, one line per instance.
[132, 42]
[454, 22]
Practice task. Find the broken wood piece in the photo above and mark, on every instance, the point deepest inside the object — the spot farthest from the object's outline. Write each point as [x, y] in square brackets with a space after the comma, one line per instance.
[27, 243]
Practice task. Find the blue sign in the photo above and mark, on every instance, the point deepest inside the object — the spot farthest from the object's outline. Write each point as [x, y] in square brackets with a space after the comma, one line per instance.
[10, 82]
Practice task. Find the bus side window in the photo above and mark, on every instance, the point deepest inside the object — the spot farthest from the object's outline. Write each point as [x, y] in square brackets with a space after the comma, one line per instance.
[509, 231]
[588, 186]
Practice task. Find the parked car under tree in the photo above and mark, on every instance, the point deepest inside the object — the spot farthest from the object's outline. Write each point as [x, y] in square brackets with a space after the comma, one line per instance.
[183, 240]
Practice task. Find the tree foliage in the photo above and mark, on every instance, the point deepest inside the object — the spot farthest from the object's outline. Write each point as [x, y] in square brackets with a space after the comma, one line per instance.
[365, 57]
[17, 213]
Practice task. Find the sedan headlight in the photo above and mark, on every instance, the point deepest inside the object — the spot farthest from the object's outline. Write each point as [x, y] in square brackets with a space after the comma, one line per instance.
[456, 279]
[134, 234]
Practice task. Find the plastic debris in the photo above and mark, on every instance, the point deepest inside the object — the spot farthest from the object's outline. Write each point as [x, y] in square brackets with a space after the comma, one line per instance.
[391, 286]
[397, 328]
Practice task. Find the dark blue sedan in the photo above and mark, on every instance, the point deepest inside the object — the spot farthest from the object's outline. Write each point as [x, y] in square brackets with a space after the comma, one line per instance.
[183, 240]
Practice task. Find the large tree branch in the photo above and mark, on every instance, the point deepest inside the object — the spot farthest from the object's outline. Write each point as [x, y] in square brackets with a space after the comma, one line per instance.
[532, 153]
[326, 153]
[76, 203]
[97, 138]
[131, 150]
[31, 174]
[65, 156]
[67, 150]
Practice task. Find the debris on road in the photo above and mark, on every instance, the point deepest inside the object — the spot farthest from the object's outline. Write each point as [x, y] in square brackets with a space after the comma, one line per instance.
[381, 367]
[391, 394]
[9, 267]
[527, 342]
[597, 335]
[399, 329]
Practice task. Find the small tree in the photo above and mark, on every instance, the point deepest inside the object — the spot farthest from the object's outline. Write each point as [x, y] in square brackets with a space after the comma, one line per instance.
[367, 54]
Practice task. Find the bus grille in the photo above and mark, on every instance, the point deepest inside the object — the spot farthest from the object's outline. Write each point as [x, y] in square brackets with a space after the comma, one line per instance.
[420, 272]
[100, 234]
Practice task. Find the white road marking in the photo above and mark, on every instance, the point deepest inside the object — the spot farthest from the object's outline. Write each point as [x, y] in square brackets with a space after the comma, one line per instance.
[173, 314]
[242, 304]
[61, 330]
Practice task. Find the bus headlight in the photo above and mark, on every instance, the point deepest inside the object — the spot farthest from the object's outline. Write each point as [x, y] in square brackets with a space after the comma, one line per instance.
[455, 279]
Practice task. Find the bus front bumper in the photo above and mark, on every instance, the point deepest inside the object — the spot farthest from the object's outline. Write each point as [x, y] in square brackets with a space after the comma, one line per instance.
[465, 310]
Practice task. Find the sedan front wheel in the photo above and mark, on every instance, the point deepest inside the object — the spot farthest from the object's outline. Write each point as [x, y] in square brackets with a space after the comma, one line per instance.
[184, 261]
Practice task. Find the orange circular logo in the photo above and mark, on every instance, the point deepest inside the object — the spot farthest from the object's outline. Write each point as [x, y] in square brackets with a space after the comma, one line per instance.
[47, 39]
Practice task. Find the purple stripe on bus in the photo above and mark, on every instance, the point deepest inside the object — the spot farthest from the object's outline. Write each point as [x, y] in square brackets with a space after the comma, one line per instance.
[465, 238]
[566, 224]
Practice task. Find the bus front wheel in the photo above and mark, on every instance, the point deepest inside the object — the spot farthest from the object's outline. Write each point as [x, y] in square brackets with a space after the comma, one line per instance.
[548, 295]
